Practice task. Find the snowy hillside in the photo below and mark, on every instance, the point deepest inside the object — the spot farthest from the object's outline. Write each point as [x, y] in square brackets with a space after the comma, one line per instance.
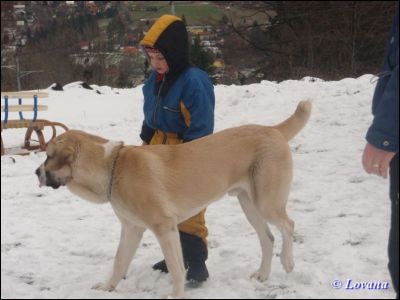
[54, 245]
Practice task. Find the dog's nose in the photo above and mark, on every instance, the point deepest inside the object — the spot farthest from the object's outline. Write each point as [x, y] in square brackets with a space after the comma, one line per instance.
[37, 172]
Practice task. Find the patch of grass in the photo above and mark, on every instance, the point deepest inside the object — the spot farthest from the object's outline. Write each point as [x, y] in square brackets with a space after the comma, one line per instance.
[195, 13]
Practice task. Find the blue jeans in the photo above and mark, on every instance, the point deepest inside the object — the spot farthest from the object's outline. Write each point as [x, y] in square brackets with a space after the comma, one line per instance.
[393, 248]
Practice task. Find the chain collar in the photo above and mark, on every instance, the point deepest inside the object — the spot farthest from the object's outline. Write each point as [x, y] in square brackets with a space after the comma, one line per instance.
[110, 184]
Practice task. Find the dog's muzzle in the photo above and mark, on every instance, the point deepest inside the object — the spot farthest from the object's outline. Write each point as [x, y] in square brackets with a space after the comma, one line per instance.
[45, 178]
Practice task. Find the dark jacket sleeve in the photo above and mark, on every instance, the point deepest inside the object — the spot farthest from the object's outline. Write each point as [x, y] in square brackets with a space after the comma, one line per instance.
[384, 131]
[147, 133]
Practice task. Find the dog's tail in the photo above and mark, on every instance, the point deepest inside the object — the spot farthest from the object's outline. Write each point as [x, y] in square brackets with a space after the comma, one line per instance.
[292, 126]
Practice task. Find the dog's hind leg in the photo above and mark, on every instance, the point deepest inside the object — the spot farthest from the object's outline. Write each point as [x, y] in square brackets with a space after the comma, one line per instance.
[280, 219]
[129, 242]
[264, 234]
[271, 196]
[286, 227]
[168, 236]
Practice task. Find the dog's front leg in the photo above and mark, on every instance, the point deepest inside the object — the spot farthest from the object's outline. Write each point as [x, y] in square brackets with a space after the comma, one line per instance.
[129, 242]
[168, 237]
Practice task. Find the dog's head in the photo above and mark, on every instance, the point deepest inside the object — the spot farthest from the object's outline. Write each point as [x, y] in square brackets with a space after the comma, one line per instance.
[57, 169]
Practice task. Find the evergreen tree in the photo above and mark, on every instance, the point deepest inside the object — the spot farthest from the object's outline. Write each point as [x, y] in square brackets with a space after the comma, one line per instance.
[201, 58]
[116, 29]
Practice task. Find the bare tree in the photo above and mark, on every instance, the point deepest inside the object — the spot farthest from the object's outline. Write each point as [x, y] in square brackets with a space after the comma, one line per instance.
[327, 39]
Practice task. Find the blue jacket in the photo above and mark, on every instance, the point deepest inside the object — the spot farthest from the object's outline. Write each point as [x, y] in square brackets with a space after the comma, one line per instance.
[186, 110]
[384, 131]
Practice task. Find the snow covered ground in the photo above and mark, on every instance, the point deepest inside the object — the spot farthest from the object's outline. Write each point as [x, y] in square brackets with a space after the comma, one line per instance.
[54, 245]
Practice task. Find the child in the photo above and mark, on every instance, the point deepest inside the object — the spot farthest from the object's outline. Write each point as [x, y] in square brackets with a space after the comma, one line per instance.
[178, 107]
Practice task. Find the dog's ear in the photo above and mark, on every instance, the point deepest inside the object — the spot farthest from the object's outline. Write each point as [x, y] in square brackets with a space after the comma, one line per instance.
[50, 149]
[64, 149]
[69, 154]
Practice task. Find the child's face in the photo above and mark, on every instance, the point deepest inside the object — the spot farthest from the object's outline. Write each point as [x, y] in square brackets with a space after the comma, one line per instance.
[158, 62]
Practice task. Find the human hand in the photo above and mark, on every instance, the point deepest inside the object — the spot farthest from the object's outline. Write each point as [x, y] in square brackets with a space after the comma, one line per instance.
[376, 161]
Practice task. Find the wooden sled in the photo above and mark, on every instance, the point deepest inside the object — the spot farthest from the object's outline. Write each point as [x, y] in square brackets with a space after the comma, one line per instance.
[32, 125]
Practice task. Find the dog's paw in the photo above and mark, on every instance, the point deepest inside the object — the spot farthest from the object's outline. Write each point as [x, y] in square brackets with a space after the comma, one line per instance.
[260, 276]
[174, 297]
[107, 287]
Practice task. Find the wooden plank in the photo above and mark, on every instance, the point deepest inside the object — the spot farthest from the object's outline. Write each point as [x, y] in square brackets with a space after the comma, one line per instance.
[24, 94]
[22, 124]
[14, 108]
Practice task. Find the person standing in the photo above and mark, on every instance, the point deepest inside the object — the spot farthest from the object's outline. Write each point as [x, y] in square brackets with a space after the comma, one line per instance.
[381, 152]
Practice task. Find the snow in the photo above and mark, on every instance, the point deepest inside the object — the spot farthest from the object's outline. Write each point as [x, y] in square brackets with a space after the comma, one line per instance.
[54, 245]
